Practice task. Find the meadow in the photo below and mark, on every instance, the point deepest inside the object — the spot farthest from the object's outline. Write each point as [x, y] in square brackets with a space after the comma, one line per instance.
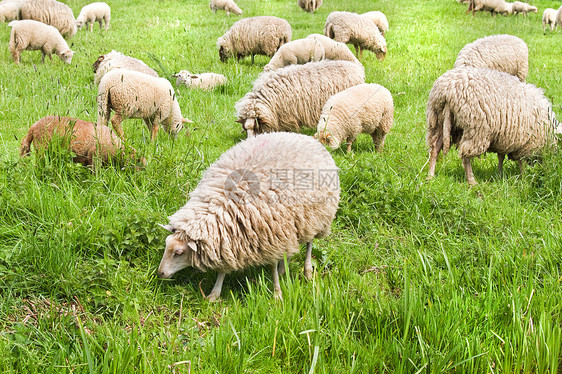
[416, 277]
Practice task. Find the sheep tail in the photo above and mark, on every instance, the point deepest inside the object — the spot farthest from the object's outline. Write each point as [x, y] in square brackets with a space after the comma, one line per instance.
[25, 147]
[446, 129]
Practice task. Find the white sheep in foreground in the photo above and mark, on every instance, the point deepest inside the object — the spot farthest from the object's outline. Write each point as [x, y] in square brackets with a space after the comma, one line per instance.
[92, 13]
[51, 12]
[549, 18]
[362, 109]
[203, 81]
[89, 142]
[227, 5]
[261, 35]
[347, 27]
[33, 35]
[292, 97]
[117, 60]
[310, 6]
[521, 7]
[131, 94]
[296, 52]
[505, 53]
[379, 19]
[492, 6]
[256, 204]
[483, 110]
[335, 50]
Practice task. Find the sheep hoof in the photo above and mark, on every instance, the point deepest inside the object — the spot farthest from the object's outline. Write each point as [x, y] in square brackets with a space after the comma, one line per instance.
[213, 297]
[278, 295]
[308, 274]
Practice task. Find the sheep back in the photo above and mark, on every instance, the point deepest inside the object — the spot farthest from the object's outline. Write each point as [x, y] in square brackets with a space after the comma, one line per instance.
[297, 52]
[51, 12]
[117, 60]
[334, 50]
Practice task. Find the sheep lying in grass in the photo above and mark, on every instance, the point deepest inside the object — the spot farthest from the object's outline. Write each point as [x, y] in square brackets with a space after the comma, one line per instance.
[33, 35]
[505, 53]
[227, 5]
[362, 109]
[549, 18]
[131, 94]
[483, 110]
[347, 27]
[203, 81]
[296, 52]
[292, 97]
[379, 19]
[254, 36]
[52, 13]
[521, 7]
[254, 206]
[310, 6]
[334, 50]
[89, 142]
[117, 60]
[92, 13]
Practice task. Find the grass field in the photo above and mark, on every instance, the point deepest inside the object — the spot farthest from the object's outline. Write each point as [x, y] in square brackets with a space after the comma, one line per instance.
[417, 277]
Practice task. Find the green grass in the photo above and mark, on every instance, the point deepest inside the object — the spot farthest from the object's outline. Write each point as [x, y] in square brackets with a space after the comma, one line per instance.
[417, 277]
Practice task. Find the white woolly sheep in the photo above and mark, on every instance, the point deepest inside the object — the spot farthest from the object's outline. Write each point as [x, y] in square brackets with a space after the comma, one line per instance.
[521, 7]
[549, 18]
[261, 35]
[296, 52]
[256, 204]
[492, 6]
[89, 142]
[33, 35]
[505, 53]
[483, 110]
[362, 109]
[227, 5]
[92, 13]
[379, 19]
[310, 6]
[203, 81]
[131, 94]
[10, 10]
[52, 13]
[347, 27]
[335, 50]
[292, 97]
[559, 17]
[117, 60]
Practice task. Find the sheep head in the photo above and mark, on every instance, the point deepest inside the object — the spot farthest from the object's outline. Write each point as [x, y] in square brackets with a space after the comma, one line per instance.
[326, 138]
[66, 56]
[177, 255]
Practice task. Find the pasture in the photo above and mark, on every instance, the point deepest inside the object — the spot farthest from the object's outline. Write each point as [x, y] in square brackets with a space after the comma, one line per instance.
[416, 277]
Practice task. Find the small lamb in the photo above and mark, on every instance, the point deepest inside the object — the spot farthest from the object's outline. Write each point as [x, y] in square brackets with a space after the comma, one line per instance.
[94, 12]
[296, 52]
[34, 35]
[379, 19]
[88, 141]
[203, 81]
[253, 206]
[227, 5]
[549, 18]
[131, 94]
[362, 109]
[310, 6]
[521, 7]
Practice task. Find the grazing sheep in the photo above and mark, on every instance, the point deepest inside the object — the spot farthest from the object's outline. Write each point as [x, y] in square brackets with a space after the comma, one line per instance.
[549, 18]
[33, 35]
[559, 17]
[254, 36]
[347, 27]
[92, 13]
[203, 81]
[362, 109]
[310, 6]
[256, 204]
[521, 7]
[483, 110]
[10, 10]
[86, 140]
[505, 53]
[117, 60]
[52, 13]
[492, 6]
[227, 5]
[334, 50]
[136, 95]
[379, 19]
[296, 52]
[292, 97]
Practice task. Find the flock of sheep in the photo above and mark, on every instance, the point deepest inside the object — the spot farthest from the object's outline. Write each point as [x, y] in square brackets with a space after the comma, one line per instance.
[276, 190]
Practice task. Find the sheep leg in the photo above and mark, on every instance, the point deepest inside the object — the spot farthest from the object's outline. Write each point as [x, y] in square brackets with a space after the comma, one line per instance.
[252, 59]
[116, 123]
[42, 56]
[308, 261]
[281, 268]
[501, 157]
[16, 55]
[433, 154]
[467, 165]
[378, 138]
[91, 25]
[276, 287]
[217, 288]
[521, 166]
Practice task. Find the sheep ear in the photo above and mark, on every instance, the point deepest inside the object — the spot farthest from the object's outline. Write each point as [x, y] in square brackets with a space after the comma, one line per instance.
[192, 246]
[194, 76]
[186, 120]
[175, 75]
[170, 228]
